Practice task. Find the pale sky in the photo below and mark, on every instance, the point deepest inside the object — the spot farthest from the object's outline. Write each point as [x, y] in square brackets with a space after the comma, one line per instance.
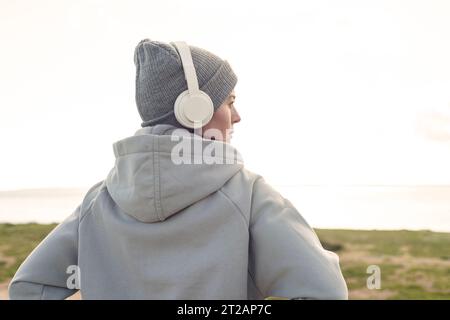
[329, 92]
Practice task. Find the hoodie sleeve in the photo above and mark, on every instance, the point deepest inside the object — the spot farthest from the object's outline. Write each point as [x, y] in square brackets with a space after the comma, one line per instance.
[286, 258]
[43, 274]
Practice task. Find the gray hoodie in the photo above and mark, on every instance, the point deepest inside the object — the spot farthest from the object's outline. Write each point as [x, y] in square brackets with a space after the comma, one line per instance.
[158, 229]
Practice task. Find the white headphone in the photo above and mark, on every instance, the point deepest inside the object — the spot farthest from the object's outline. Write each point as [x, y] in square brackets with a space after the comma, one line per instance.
[193, 108]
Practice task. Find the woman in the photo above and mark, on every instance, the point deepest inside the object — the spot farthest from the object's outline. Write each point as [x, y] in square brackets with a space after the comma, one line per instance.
[165, 226]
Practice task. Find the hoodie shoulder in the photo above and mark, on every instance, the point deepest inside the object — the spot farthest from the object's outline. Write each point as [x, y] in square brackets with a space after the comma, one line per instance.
[240, 188]
[90, 196]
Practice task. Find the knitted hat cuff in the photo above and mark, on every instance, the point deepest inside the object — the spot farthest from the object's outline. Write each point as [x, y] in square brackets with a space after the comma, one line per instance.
[160, 119]
[221, 84]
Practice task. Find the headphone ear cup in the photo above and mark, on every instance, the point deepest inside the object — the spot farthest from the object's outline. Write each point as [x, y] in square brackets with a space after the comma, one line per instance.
[193, 109]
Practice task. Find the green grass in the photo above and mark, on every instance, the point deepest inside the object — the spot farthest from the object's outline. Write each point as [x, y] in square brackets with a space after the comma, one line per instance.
[413, 264]
[419, 243]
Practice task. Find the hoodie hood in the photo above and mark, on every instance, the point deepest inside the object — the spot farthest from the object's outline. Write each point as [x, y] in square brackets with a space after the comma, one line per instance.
[163, 169]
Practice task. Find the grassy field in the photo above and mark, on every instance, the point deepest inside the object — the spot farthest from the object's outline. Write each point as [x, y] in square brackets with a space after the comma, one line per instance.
[413, 264]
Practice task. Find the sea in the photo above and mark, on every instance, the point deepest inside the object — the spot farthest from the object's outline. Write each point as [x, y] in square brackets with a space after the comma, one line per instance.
[330, 207]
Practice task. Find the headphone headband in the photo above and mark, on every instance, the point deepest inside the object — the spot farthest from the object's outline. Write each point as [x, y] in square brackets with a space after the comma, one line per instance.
[188, 65]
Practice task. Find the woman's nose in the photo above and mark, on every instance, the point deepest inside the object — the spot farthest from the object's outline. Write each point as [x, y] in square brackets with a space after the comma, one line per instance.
[236, 117]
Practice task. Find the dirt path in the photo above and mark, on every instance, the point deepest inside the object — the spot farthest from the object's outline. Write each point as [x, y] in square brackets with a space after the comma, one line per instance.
[4, 293]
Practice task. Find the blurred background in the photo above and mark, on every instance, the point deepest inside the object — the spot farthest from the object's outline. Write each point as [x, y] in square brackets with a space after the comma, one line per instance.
[345, 110]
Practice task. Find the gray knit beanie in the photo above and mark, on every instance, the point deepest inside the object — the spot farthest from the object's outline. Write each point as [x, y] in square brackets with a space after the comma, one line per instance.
[160, 79]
